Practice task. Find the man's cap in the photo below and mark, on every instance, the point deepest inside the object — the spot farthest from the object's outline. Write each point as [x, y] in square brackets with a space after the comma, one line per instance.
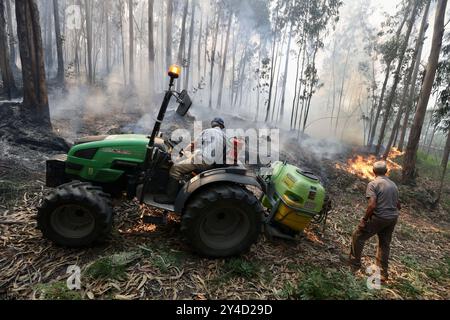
[218, 121]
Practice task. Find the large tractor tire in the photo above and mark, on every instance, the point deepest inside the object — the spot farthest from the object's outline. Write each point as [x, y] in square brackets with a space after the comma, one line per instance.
[222, 220]
[76, 214]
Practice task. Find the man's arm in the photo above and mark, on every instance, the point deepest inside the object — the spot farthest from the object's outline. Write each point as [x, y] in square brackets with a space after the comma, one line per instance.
[370, 208]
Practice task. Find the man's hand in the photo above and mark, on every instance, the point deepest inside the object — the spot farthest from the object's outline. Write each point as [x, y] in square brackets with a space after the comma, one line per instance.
[362, 223]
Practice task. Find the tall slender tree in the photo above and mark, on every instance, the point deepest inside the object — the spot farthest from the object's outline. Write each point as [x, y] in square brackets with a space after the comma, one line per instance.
[397, 76]
[409, 162]
[5, 65]
[32, 57]
[59, 44]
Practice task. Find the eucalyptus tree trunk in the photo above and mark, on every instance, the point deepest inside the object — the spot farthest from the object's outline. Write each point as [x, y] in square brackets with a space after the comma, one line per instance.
[88, 9]
[59, 44]
[151, 46]
[12, 38]
[169, 33]
[410, 82]
[106, 13]
[224, 61]
[131, 40]
[412, 90]
[386, 78]
[5, 65]
[286, 69]
[444, 164]
[409, 162]
[213, 58]
[190, 62]
[35, 97]
[181, 48]
[199, 49]
[397, 77]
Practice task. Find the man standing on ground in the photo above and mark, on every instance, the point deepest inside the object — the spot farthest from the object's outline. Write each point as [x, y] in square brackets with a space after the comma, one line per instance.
[380, 219]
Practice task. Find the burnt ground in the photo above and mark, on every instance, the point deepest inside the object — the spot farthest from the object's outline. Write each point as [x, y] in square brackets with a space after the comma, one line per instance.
[153, 262]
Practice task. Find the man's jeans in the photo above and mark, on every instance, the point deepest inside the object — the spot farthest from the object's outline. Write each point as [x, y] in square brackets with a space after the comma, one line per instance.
[383, 228]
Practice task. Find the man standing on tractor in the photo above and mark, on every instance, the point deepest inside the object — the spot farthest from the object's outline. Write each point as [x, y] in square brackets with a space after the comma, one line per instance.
[208, 150]
[380, 219]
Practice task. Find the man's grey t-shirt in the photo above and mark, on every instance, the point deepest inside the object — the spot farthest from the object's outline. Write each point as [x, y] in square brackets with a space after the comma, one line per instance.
[386, 193]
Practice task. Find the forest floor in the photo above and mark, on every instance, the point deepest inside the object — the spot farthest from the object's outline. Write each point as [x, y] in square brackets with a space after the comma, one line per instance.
[153, 262]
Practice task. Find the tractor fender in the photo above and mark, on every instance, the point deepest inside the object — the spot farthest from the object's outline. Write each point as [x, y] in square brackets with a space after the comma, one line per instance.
[236, 175]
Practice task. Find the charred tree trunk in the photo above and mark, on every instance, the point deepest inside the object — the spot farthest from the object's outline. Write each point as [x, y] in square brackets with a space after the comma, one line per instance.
[409, 163]
[224, 62]
[5, 65]
[397, 77]
[35, 97]
[59, 44]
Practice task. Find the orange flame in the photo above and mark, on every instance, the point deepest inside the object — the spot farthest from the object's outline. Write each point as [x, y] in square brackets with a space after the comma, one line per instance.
[361, 166]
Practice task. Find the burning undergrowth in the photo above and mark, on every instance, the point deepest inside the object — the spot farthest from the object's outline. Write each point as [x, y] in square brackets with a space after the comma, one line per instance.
[361, 165]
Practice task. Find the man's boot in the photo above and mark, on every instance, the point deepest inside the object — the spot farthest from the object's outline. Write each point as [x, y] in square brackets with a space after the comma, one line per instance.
[172, 191]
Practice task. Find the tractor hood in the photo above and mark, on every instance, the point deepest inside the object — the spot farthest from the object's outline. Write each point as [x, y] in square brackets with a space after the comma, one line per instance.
[125, 145]
[116, 138]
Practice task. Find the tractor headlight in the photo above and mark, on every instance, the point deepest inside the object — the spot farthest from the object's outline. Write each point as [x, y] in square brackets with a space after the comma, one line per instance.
[86, 153]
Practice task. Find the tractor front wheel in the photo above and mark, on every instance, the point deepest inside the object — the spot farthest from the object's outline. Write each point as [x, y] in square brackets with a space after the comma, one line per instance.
[222, 220]
[76, 214]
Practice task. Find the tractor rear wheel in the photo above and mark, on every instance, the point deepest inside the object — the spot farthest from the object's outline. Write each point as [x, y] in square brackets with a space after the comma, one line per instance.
[222, 220]
[76, 214]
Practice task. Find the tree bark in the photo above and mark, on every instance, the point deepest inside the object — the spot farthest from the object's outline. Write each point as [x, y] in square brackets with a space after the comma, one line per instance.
[409, 163]
[12, 38]
[5, 65]
[35, 96]
[59, 44]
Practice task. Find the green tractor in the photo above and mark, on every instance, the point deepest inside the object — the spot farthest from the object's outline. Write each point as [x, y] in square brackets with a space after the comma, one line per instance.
[220, 217]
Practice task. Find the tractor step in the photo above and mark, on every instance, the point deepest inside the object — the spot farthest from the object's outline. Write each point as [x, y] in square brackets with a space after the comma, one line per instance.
[150, 201]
